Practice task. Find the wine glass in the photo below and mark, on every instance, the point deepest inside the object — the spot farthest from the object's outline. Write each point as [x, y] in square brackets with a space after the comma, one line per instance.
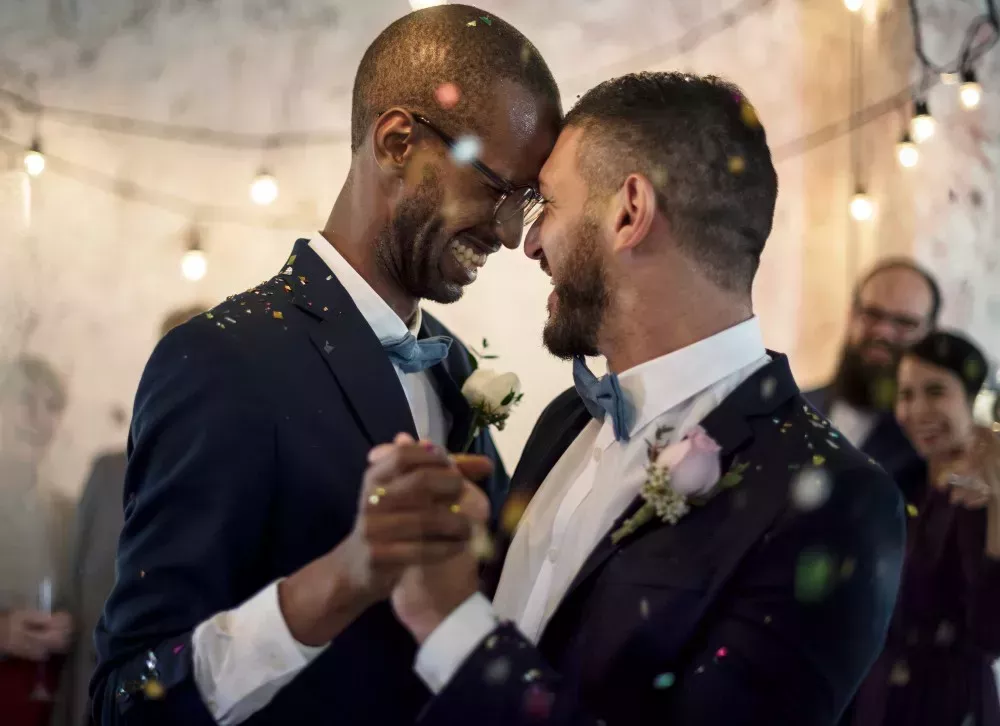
[41, 691]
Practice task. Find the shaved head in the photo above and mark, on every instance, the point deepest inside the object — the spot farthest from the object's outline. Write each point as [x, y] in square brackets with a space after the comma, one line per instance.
[434, 62]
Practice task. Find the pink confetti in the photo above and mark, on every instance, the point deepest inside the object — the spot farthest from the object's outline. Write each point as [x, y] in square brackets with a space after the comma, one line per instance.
[447, 95]
[178, 648]
[721, 652]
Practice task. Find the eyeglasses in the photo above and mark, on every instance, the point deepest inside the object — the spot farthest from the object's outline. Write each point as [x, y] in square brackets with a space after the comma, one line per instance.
[523, 203]
[873, 315]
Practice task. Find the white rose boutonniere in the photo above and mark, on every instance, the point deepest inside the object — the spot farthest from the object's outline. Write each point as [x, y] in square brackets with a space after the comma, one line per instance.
[491, 395]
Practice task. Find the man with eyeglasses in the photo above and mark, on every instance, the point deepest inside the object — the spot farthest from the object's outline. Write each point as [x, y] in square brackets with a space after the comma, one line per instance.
[895, 305]
[257, 554]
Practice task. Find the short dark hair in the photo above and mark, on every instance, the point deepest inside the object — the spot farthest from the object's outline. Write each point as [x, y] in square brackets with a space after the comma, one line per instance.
[699, 142]
[413, 57]
[903, 263]
[957, 354]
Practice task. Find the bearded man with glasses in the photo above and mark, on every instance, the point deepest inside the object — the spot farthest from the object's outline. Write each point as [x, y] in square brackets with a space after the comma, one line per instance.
[257, 554]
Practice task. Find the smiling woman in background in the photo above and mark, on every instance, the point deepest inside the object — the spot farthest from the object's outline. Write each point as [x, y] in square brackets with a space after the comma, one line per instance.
[945, 632]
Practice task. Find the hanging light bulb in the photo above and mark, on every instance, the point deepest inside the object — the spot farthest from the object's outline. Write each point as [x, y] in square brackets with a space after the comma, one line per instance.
[971, 93]
[34, 159]
[922, 124]
[906, 151]
[862, 206]
[264, 188]
[854, 5]
[421, 4]
[194, 264]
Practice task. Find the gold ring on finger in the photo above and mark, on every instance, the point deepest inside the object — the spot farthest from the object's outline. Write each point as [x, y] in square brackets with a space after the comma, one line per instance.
[455, 508]
[375, 498]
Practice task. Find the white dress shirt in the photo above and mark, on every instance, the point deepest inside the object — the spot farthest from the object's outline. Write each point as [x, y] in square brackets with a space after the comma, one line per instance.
[243, 657]
[590, 486]
[856, 425]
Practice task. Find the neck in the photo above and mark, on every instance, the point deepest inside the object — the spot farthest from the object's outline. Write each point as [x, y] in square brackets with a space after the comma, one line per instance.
[353, 229]
[647, 325]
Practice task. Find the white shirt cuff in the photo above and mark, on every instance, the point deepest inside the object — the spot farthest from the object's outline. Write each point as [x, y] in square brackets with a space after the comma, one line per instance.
[243, 657]
[454, 640]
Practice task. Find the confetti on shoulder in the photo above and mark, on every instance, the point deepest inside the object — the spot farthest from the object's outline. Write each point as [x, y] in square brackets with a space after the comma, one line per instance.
[278, 315]
[471, 24]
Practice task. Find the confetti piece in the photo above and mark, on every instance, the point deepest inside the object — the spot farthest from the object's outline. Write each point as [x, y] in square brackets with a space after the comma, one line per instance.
[658, 177]
[644, 609]
[748, 114]
[497, 671]
[230, 320]
[513, 510]
[945, 634]
[538, 702]
[722, 652]
[482, 545]
[813, 575]
[447, 95]
[491, 642]
[532, 675]
[819, 460]
[900, 674]
[178, 648]
[885, 393]
[153, 690]
[466, 150]
[487, 20]
[767, 388]
[329, 277]
[287, 271]
[471, 24]
[911, 509]
[288, 288]
[737, 165]
[325, 309]
[663, 681]
[834, 434]
[209, 316]
[302, 279]
[767, 620]
[699, 670]
[525, 54]
[142, 573]
[291, 260]
[278, 315]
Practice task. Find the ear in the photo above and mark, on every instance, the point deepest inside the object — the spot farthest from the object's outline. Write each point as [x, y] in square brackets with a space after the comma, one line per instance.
[393, 140]
[636, 211]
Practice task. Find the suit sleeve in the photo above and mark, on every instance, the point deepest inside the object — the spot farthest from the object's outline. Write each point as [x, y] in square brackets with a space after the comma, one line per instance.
[197, 491]
[787, 642]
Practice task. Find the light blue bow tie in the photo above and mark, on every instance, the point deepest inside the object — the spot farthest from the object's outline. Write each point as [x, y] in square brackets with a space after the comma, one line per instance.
[412, 356]
[603, 396]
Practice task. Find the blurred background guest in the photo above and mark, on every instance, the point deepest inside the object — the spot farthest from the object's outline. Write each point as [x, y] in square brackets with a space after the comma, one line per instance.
[99, 517]
[945, 633]
[895, 305]
[34, 630]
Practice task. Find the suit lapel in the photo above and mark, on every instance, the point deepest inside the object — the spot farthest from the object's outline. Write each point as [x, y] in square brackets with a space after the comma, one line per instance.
[729, 424]
[349, 347]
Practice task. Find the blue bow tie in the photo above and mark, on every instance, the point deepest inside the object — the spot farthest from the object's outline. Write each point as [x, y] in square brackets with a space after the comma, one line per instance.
[412, 356]
[603, 396]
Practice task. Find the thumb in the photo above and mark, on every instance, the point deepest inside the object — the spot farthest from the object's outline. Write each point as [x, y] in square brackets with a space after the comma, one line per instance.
[474, 503]
[473, 466]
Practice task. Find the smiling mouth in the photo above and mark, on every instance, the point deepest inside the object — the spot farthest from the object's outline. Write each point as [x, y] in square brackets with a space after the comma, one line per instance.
[470, 253]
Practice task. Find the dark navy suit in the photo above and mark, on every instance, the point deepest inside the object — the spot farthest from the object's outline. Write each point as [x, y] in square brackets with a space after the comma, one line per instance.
[747, 611]
[248, 445]
[888, 445]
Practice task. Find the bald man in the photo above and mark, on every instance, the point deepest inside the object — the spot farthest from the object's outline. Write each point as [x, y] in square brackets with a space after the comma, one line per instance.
[256, 555]
[895, 305]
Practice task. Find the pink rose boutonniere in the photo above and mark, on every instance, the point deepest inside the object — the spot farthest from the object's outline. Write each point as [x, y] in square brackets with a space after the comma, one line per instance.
[677, 475]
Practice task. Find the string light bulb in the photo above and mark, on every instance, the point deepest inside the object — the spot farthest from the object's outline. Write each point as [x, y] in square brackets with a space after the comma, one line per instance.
[263, 188]
[922, 125]
[854, 5]
[906, 151]
[862, 206]
[970, 93]
[194, 264]
[34, 159]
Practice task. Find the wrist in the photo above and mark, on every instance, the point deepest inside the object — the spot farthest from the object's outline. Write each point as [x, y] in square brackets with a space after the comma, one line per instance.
[319, 601]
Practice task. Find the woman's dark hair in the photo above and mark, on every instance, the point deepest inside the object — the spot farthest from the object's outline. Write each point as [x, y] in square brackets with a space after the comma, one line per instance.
[957, 354]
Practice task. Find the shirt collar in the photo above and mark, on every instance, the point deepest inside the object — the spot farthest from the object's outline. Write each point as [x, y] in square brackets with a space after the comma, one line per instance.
[659, 385]
[386, 325]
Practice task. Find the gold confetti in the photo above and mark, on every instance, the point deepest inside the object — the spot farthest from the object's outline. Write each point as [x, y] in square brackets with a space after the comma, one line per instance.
[278, 315]
[911, 509]
[455, 508]
[471, 24]
[209, 316]
[847, 568]
[513, 510]
[153, 690]
[748, 114]
[819, 460]
[737, 165]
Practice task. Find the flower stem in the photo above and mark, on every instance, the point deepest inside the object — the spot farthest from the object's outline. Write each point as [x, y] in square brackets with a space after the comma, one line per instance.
[473, 433]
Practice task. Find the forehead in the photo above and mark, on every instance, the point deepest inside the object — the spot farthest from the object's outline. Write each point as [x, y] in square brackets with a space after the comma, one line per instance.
[915, 371]
[899, 291]
[562, 168]
[522, 130]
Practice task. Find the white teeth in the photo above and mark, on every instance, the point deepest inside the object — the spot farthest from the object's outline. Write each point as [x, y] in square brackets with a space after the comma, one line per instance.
[467, 255]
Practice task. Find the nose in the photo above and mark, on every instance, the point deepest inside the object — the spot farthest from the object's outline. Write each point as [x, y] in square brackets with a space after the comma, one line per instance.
[532, 243]
[510, 232]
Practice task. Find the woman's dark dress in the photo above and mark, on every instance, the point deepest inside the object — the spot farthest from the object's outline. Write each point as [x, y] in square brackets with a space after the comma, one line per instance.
[945, 633]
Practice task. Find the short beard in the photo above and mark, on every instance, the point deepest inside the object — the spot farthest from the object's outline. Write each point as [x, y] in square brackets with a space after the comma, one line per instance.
[410, 248]
[582, 297]
[863, 385]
